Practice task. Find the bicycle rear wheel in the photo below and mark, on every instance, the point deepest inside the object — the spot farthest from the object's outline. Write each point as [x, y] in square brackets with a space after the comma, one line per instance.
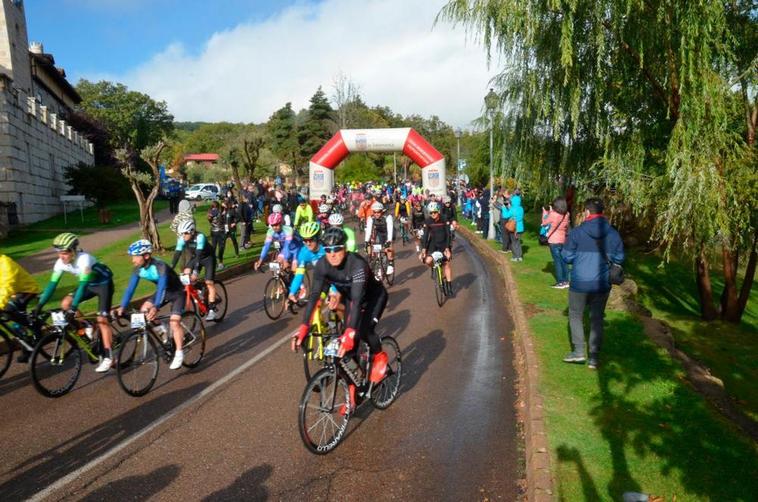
[301, 302]
[139, 368]
[388, 278]
[194, 339]
[323, 413]
[439, 292]
[7, 356]
[56, 363]
[386, 391]
[222, 303]
[274, 298]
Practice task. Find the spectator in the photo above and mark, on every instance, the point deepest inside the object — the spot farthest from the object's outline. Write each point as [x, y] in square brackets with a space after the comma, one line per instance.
[498, 202]
[589, 248]
[556, 220]
[514, 211]
[218, 234]
[484, 202]
[229, 218]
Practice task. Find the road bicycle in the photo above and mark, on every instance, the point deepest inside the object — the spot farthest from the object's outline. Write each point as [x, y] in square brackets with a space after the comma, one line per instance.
[438, 277]
[378, 262]
[326, 406]
[149, 342]
[197, 297]
[56, 361]
[322, 331]
[18, 329]
[276, 291]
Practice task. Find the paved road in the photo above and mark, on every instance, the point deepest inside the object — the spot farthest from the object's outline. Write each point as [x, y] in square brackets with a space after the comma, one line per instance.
[228, 430]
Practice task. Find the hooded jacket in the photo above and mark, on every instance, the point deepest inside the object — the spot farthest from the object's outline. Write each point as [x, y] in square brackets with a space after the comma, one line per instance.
[514, 212]
[584, 249]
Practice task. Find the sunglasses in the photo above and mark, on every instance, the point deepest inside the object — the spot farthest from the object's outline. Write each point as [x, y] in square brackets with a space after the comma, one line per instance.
[333, 249]
[308, 241]
[434, 212]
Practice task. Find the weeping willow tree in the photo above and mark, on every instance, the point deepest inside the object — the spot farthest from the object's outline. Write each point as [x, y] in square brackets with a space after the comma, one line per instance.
[656, 99]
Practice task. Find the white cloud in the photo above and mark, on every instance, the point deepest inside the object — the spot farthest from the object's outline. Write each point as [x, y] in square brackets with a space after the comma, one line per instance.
[390, 48]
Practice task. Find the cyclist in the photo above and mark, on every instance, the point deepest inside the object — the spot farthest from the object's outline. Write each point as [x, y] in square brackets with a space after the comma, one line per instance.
[364, 298]
[202, 257]
[169, 289]
[417, 222]
[95, 280]
[281, 234]
[437, 238]
[403, 213]
[449, 214]
[323, 215]
[304, 211]
[336, 220]
[277, 208]
[310, 252]
[379, 231]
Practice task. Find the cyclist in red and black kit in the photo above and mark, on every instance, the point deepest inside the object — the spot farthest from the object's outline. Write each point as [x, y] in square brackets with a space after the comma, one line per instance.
[363, 296]
[437, 238]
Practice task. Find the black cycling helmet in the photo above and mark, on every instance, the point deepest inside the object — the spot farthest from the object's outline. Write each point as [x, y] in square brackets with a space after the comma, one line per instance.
[334, 236]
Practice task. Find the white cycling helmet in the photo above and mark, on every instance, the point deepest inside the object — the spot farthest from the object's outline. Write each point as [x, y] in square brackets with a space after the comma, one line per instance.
[336, 219]
[323, 208]
[446, 199]
[186, 227]
[433, 207]
[277, 208]
[377, 206]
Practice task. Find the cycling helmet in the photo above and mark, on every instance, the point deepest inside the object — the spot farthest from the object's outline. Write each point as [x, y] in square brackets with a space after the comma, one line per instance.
[446, 199]
[140, 247]
[336, 219]
[433, 207]
[377, 206]
[66, 242]
[323, 208]
[277, 208]
[275, 219]
[334, 236]
[402, 198]
[310, 230]
[186, 227]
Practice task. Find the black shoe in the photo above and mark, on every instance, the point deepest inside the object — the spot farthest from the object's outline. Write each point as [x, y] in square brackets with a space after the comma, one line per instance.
[23, 357]
[593, 362]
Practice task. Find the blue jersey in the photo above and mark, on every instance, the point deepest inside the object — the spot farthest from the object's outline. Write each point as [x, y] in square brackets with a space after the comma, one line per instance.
[157, 272]
[304, 257]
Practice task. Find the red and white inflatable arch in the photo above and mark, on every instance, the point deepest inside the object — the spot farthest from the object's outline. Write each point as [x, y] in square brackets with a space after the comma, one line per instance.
[404, 140]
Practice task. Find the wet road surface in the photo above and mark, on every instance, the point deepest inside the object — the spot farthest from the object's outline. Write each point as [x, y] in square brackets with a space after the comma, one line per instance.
[228, 429]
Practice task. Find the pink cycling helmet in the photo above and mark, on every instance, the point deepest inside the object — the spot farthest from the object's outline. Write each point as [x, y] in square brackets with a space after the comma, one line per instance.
[275, 219]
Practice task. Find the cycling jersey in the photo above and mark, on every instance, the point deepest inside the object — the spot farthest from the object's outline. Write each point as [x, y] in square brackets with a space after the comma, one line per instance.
[350, 243]
[436, 235]
[417, 218]
[379, 230]
[304, 257]
[198, 245]
[303, 214]
[402, 209]
[285, 237]
[90, 273]
[168, 285]
[449, 213]
[14, 280]
[364, 296]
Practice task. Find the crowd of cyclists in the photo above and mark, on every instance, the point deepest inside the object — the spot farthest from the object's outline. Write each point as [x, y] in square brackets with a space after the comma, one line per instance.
[300, 235]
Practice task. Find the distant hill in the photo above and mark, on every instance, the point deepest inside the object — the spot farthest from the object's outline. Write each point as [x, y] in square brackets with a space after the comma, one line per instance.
[189, 126]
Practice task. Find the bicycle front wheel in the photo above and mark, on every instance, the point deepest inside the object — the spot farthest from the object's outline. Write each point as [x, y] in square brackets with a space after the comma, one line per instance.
[438, 291]
[222, 300]
[138, 364]
[389, 278]
[56, 363]
[386, 391]
[324, 411]
[7, 356]
[194, 339]
[313, 354]
[274, 298]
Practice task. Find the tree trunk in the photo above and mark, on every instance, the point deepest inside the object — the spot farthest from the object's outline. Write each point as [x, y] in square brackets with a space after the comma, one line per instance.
[236, 176]
[150, 224]
[747, 283]
[704, 288]
[730, 310]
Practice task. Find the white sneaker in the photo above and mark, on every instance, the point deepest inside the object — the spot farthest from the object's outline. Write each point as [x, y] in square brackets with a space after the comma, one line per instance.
[211, 316]
[104, 366]
[178, 360]
[390, 269]
[418, 249]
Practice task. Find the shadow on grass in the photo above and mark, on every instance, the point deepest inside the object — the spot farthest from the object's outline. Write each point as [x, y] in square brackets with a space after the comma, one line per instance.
[642, 405]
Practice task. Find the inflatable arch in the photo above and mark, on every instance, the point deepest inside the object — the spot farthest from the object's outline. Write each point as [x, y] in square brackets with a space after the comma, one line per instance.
[404, 140]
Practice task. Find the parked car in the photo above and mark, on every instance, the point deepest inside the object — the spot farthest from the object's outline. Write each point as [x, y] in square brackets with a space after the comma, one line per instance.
[203, 191]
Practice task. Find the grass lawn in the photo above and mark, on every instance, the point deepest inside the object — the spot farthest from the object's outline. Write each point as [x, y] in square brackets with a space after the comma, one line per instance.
[635, 424]
[114, 255]
[37, 236]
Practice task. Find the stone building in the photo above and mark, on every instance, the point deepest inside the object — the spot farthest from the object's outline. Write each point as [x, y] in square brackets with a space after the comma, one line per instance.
[36, 143]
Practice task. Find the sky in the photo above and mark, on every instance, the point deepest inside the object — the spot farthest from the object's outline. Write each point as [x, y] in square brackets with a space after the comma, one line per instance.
[240, 60]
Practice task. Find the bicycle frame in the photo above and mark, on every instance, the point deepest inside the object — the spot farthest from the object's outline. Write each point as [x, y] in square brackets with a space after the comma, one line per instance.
[192, 295]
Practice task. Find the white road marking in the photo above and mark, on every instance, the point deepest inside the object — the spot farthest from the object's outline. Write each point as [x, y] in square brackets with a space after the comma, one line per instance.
[59, 484]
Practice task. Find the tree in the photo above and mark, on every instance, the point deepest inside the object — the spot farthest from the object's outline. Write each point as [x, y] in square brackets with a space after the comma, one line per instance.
[282, 131]
[638, 99]
[318, 126]
[137, 125]
[346, 93]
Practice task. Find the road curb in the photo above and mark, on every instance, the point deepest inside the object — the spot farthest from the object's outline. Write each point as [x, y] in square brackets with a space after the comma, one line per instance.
[529, 407]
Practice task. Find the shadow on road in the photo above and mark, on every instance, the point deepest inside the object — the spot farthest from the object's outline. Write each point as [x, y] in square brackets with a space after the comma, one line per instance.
[46, 467]
[463, 281]
[249, 486]
[418, 356]
[139, 487]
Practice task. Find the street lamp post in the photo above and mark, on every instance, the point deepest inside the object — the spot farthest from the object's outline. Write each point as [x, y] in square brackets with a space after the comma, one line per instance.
[491, 102]
[458, 133]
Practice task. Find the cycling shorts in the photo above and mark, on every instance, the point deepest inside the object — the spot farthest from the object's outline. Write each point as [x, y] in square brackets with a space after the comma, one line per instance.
[177, 299]
[104, 294]
[380, 238]
[208, 263]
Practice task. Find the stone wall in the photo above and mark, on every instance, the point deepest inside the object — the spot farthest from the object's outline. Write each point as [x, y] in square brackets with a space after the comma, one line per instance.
[35, 147]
